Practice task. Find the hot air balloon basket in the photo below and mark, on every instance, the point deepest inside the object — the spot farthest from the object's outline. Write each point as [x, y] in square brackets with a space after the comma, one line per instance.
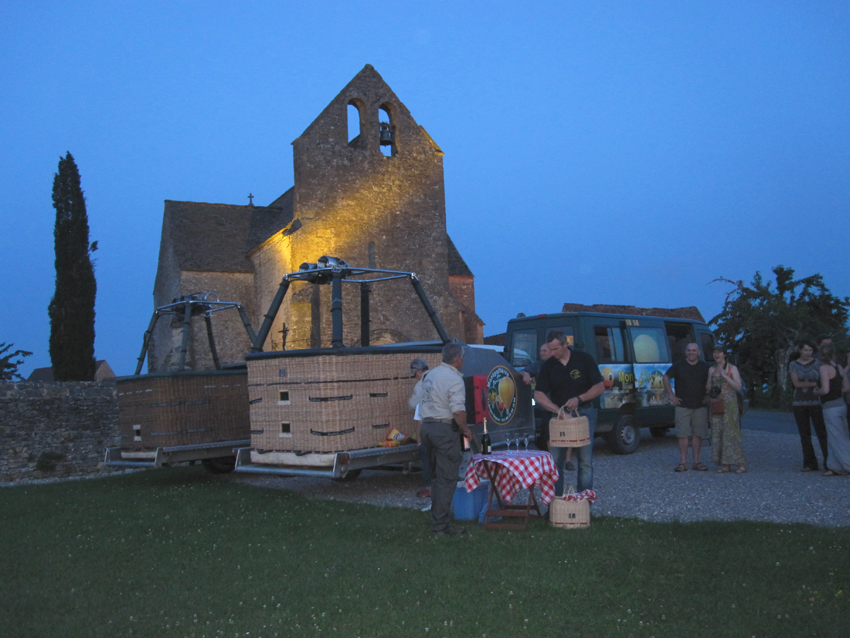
[182, 408]
[331, 403]
[569, 430]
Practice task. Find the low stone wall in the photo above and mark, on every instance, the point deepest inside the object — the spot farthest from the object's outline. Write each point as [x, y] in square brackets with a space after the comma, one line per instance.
[55, 430]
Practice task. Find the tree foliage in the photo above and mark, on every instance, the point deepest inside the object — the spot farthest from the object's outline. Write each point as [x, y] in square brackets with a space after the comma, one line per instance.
[72, 308]
[764, 325]
[8, 366]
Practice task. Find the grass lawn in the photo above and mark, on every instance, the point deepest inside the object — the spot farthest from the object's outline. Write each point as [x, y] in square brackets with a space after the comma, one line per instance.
[178, 552]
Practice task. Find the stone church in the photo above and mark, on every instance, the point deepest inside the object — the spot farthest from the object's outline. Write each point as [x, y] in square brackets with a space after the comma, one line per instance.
[373, 197]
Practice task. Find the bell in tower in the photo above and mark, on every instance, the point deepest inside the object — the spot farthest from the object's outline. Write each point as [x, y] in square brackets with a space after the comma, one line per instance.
[386, 134]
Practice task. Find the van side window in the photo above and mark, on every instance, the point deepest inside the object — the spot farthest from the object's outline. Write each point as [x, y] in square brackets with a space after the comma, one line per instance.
[707, 342]
[679, 335]
[650, 345]
[567, 330]
[523, 348]
[610, 346]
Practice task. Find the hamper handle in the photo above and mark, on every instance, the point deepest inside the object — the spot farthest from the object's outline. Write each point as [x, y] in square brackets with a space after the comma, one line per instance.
[572, 412]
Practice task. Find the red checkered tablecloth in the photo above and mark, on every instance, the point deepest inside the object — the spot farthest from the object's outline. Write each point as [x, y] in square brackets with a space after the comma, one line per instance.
[524, 469]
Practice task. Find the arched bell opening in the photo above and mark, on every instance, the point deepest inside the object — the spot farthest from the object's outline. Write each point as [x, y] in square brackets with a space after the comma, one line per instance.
[355, 124]
[387, 131]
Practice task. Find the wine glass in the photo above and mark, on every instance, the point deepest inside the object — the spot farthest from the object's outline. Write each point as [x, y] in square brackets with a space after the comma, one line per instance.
[508, 441]
[525, 442]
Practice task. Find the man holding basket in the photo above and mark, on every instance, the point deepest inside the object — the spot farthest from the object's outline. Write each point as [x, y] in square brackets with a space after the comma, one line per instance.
[570, 379]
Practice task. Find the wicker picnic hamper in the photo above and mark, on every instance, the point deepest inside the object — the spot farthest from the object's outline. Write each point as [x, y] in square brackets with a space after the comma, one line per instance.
[569, 431]
[182, 408]
[330, 402]
[566, 514]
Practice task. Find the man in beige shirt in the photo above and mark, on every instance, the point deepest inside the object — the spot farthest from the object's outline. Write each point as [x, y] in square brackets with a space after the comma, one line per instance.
[441, 397]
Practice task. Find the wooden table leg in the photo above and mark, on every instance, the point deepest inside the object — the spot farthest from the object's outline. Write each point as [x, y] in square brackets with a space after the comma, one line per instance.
[505, 510]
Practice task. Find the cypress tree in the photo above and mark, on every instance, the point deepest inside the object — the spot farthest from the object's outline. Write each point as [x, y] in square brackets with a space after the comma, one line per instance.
[72, 308]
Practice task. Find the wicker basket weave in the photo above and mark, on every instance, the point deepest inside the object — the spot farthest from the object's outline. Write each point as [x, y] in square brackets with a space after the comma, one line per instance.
[566, 514]
[330, 402]
[182, 408]
[569, 431]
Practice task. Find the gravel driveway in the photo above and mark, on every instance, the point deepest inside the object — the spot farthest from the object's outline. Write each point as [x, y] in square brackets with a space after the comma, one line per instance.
[643, 485]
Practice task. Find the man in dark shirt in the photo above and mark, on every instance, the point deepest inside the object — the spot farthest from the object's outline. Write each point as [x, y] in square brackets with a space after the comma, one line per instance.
[691, 375]
[571, 380]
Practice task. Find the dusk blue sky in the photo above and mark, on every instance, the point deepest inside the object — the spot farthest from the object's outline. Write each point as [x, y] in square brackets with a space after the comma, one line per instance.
[596, 151]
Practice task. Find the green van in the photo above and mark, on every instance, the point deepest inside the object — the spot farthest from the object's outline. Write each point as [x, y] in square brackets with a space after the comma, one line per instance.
[633, 353]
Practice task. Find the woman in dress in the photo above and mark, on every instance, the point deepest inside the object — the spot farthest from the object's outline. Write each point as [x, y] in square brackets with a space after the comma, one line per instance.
[724, 383]
[806, 405]
[833, 385]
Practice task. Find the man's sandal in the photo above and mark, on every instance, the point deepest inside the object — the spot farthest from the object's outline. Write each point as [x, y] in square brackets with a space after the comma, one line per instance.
[724, 469]
[699, 467]
[681, 467]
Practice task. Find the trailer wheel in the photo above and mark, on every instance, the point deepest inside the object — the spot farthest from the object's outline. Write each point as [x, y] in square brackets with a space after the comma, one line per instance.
[348, 476]
[658, 432]
[624, 437]
[220, 464]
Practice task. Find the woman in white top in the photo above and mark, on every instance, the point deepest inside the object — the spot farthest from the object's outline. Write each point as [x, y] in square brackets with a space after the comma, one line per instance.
[833, 385]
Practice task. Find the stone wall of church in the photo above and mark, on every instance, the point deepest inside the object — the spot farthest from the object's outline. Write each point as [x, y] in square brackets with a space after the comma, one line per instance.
[271, 261]
[166, 287]
[463, 289]
[231, 338]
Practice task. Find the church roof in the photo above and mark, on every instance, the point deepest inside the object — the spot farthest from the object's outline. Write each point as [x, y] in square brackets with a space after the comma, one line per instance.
[219, 237]
[457, 266]
[210, 237]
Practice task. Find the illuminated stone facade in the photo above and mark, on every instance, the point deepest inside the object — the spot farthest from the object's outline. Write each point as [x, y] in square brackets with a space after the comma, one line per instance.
[372, 205]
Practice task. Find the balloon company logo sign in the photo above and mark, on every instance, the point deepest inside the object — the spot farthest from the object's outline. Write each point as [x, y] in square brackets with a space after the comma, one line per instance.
[501, 390]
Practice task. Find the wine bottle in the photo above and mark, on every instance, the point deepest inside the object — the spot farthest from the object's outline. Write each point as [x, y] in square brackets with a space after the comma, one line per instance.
[486, 446]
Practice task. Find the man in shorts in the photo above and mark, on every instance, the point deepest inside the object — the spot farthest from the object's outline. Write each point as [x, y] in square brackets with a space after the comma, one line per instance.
[690, 400]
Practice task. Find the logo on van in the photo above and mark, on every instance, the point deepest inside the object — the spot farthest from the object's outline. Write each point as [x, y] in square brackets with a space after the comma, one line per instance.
[501, 392]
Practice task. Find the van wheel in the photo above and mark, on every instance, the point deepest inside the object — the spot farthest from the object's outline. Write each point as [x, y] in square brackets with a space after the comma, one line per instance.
[220, 464]
[348, 476]
[624, 437]
[658, 432]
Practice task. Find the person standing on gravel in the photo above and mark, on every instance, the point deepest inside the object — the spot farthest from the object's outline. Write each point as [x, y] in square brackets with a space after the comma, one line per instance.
[724, 383]
[806, 405]
[833, 384]
[690, 400]
[441, 395]
[570, 379]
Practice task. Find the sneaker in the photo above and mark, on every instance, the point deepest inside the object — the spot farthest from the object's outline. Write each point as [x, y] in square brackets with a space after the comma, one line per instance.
[424, 493]
[570, 466]
[451, 530]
